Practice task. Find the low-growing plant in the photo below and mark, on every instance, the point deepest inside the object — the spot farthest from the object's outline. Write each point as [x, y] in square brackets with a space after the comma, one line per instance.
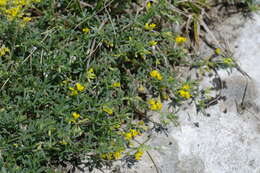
[78, 78]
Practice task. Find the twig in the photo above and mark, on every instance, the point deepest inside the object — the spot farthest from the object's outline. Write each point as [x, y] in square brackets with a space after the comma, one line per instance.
[244, 95]
[157, 169]
[4, 83]
[109, 17]
[84, 4]
[210, 33]
[239, 69]
[30, 55]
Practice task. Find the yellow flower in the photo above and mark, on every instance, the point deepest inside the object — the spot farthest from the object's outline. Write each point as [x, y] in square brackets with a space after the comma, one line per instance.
[134, 132]
[153, 43]
[153, 107]
[117, 155]
[108, 110]
[75, 115]
[180, 39]
[12, 12]
[73, 91]
[185, 94]
[149, 27]
[148, 5]
[79, 87]
[159, 105]
[138, 155]
[63, 142]
[151, 101]
[152, 25]
[128, 136]
[186, 87]
[91, 74]
[91, 70]
[4, 50]
[155, 74]
[27, 19]
[103, 156]
[108, 43]
[155, 104]
[86, 30]
[116, 84]
[228, 61]
[107, 156]
[218, 51]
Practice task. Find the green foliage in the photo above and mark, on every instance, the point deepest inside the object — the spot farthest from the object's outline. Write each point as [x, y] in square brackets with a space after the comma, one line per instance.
[247, 5]
[78, 79]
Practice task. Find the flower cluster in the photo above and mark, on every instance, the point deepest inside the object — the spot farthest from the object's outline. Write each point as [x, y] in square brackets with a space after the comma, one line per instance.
[116, 84]
[90, 74]
[131, 134]
[153, 43]
[4, 50]
[13, 9]
[185, 92]
[75, 117]
[180, 39]
[149, 27]
[76, 89]
[108, 110]
[138, 154]
[228, 61]
[113, 155]
[148, 5]
[86, 30]
[218, 51]
[155, 104]
[156, 74]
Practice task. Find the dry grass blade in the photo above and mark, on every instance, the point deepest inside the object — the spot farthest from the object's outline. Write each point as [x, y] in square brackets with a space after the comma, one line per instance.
[204, 25]
[196, 28]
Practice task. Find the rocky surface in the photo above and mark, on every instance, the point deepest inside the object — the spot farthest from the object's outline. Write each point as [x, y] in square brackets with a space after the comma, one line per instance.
[228, 140]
